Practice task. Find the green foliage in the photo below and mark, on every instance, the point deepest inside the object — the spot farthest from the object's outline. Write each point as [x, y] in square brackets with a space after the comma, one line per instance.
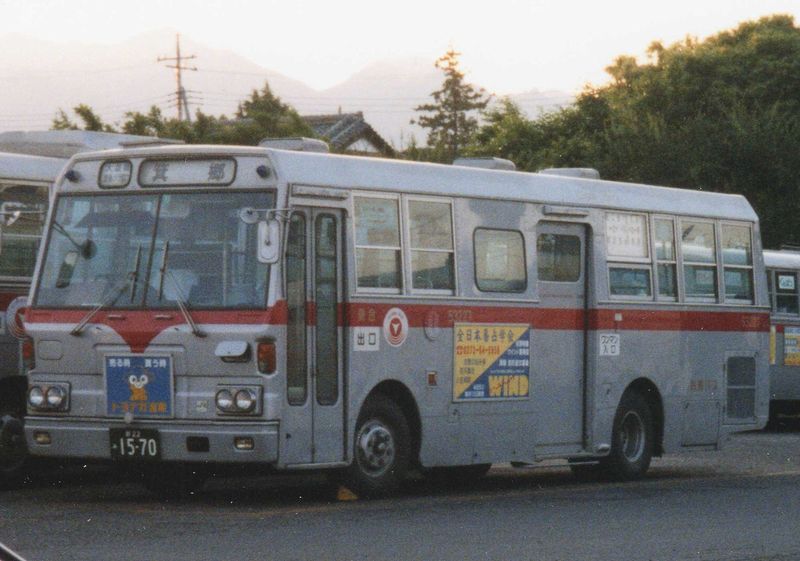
[721, 114]
[260, 116]
[451, 122]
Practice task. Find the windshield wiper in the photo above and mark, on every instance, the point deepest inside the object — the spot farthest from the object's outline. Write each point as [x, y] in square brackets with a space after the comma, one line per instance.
[179, 299]
[130, 280]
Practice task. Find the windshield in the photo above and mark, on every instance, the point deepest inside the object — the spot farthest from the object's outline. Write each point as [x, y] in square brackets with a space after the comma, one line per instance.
[22, 212]
[152, 250]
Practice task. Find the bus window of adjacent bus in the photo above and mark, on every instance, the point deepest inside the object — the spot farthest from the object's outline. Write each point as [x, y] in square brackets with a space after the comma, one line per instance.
[558, 257]
[21, 232]
[699, 260]
[737, 261]
[378, 250]
[786, 292]
[628, 251]
[430, 226]
[666, 259]
[500, 261]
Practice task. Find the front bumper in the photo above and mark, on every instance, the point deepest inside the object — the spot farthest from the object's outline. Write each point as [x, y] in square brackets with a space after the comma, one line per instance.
[89, 439]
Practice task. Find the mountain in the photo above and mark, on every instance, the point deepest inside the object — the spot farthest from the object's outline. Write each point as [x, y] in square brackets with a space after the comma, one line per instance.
[38, 77]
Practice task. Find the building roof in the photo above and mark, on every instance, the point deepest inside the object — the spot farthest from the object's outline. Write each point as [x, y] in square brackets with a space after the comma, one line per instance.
[344, 130]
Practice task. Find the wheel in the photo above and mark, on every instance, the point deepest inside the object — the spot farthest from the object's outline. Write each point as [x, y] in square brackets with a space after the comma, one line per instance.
[173, 481]
[382, 449]
[13, 450]
[632, 440]
[457, 475]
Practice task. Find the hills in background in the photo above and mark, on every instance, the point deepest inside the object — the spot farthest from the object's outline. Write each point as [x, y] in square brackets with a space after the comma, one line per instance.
[38, 77]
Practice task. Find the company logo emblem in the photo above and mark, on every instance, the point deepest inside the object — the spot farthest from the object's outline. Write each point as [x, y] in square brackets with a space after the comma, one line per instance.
[395, 327]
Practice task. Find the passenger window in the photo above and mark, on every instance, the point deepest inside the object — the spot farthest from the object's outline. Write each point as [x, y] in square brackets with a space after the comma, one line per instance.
[786, 292]
[666, 259]
[628, 251]
[430, 227]
[737, 261]
[378, 259]
[500, 261]
[558, 257]
[699, 260]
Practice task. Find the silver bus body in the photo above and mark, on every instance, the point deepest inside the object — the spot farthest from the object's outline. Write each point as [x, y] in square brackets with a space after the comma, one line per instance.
[492, 351]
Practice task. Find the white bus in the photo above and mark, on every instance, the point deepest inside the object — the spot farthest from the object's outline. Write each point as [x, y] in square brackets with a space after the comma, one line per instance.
[30, 161]
[782, 268]
[294, 310]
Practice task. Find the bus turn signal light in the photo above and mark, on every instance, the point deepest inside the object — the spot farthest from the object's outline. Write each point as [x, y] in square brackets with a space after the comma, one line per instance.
[267, 361]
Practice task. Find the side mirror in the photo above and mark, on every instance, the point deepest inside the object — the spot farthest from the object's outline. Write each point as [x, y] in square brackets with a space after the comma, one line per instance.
[269, 241]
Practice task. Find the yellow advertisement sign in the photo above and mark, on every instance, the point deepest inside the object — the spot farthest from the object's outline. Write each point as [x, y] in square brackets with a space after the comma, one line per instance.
[791, 346]
[491, 361]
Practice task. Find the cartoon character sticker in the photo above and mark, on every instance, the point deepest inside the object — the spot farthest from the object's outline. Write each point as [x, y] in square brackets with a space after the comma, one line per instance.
[137, 385]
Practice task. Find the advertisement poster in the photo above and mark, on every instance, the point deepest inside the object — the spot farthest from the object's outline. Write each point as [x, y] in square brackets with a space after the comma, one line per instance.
[791, 346]
[491, 361]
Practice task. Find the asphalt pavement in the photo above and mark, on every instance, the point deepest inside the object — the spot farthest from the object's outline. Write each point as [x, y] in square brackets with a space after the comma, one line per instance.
[738, 504]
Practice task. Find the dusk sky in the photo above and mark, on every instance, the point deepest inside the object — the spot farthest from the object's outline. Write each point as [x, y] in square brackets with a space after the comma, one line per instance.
[507, 45]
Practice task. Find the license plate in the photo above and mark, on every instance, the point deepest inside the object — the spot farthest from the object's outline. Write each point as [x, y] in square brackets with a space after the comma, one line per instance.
[138, 385]
[135, 444]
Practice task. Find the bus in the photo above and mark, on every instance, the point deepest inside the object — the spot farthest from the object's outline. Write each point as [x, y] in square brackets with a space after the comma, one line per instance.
[30, 161]
[25, 183]
[782, 268]
[199, 306]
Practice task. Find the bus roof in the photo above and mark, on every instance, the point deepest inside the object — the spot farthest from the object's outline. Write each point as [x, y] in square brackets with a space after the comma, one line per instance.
[377, 174]
[781, 259]
[21, 167]
[66, 143]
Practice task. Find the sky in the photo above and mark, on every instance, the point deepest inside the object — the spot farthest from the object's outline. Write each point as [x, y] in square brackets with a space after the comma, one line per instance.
[507, 45]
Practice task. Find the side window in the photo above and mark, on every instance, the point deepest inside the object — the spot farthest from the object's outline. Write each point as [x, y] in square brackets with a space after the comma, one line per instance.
[500, 260]
[737, 263]
[628, 250]
[666, 259]
[378, 255]
[786, 292]
[430, 227]
[699, 260]
[558, 257]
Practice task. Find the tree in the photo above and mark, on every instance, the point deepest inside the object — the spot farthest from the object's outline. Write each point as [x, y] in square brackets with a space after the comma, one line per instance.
[721, 114]
[451, 122]
[91, 120]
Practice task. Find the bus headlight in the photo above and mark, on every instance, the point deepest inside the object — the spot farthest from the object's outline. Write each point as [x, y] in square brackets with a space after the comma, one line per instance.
[238, 400]
[55, 397]
[224, 400]
[36, 397]
[49, 397]
[245, 400]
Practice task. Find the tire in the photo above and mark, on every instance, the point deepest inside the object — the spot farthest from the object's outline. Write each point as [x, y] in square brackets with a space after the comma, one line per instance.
[13, 451]
[381, 449]
[456, 476]
[632, 441]
[173, 481]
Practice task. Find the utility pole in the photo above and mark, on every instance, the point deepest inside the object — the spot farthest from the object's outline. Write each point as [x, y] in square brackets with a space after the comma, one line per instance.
[180, 92]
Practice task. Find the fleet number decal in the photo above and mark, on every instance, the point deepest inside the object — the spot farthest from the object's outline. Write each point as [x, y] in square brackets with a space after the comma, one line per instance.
[609, 344]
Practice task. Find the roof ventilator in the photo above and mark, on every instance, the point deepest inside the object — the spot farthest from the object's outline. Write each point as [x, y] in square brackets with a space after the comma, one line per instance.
[499, 164]
[583, 173]
[298, 144]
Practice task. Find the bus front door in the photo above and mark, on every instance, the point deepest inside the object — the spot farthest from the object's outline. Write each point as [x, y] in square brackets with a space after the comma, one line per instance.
[312, 430]
[558, 344]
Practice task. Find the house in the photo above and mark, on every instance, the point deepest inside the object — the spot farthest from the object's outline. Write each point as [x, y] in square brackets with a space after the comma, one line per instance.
[349, 133]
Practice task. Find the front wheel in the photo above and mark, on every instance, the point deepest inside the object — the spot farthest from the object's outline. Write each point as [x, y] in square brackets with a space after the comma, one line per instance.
[13, 450]
[382, 449]
[633, 440]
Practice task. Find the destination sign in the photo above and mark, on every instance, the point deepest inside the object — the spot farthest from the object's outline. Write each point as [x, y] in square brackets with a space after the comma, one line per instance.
[172, 173]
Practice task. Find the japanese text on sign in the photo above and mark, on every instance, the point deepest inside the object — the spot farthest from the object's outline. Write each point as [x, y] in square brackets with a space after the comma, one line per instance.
[791, 346]
[491, 361]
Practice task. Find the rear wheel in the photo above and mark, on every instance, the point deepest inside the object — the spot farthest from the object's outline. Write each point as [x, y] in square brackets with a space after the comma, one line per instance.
[382, 449]
[633, 440]
[13, 450]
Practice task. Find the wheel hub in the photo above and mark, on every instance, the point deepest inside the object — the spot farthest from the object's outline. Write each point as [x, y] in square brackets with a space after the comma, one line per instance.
[375, 448]
[633, 436]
